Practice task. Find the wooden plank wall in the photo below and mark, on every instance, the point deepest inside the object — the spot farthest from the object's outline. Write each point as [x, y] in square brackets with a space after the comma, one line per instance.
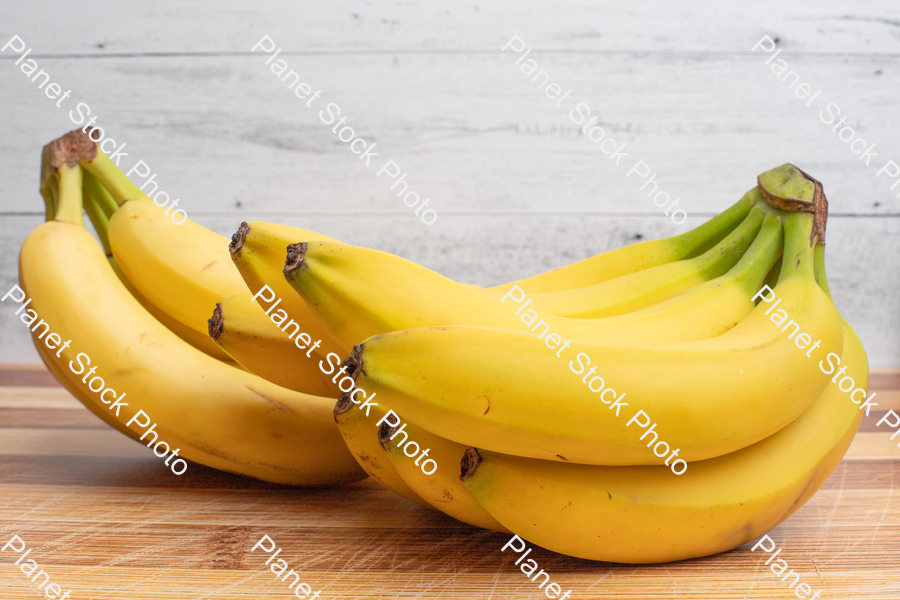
[517, 187]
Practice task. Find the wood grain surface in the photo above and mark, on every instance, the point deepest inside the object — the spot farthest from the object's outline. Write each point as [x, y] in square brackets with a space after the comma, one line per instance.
[108, 521]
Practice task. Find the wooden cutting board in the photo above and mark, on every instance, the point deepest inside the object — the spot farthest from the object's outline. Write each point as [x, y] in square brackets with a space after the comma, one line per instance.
[108, 521]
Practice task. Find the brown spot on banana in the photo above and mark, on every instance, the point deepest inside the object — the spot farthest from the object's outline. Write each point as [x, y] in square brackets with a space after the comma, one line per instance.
[281, 406]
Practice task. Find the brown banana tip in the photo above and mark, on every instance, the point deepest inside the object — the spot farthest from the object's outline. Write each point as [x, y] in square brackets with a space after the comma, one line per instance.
[343, 404]
[238, 239]
[217, 322]
[774, 184]
[70, 148]
[384, 434]
[469, 463]
[296, 253]
[353, 363]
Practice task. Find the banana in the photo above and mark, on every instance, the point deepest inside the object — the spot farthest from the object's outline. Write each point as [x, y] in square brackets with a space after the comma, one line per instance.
[99, 216]
[359, 293]
[217, 415]
[361, 436]
[257, 250]
[100, 206]
[637, 257]
[243, 330]
[442, 489]
[502, 391]
[180, 269]
[650, 286]
[649, 515]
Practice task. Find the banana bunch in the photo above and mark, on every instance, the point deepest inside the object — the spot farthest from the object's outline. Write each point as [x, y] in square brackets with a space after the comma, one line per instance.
[542, 404]
[665, 409]
[230, 363]
[122, 310]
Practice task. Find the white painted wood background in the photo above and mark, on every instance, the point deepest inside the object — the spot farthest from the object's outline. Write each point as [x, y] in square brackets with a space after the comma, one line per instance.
[516, 188]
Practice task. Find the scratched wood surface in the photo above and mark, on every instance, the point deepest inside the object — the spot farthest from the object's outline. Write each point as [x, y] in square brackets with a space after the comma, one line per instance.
[107, 521]
[505, 169]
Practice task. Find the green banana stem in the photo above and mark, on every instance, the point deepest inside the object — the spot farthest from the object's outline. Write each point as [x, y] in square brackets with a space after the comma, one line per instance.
[799, 255]
[98, 218]
[790, 189]
[763, 254]
[49, 185]
[70, 199]
[100, 206]
[50, 193]
[114, 180]
[99, 194]
[723, 256]
[820, 270]
[774, 273]
[709, 234]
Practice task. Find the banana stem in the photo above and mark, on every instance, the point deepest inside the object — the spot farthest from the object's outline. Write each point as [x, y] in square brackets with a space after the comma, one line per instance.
[702, 238]
[114, 180]
[790, 189]
[723, 256]
[799, 256]
[98, 218]
[49, 184]
[765, 251]
[99, 194]
[820, 270]
[70, 199]
[50, 193]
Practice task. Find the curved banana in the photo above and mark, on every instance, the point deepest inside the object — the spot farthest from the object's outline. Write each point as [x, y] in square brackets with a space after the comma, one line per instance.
[442, 489]
[508, 392]
[257, 250]
[243, 330]
[181, 269]
[636, 257]
[217, 415]
[361, 436]
[386, 293]
[650, 286]
[649, 515]
[99, 410]
[100, 206]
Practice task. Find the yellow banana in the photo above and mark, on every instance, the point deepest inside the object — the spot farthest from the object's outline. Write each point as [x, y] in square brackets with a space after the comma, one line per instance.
[217, 415]
[358, 429]
[649, 515]
[359, 293]
[100, 206]
[506, 391]
[181, 269]
[636, 257]
[243, 330]
[99, 410]
[647, 287]
[257, 250]
[442, 489]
